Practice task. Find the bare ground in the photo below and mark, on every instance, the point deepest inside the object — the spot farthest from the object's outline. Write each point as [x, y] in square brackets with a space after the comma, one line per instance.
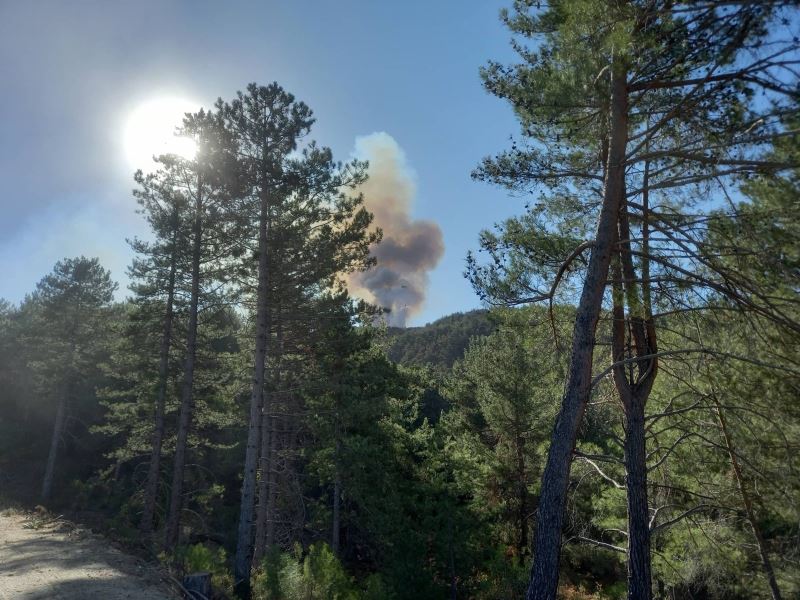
[44, 558]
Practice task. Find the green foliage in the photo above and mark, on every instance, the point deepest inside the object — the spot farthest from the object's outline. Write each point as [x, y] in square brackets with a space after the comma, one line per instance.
[501, 577]
[438, 344]
[431, 440]
[200, 558]
[315, 575]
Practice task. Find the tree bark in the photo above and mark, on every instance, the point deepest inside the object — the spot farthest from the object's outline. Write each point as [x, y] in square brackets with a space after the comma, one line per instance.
[555, 478]
[747, 504]
[337, 492]
[151, 487]
[187, 395]
[634, 391]
[244, 538]
[272, 474]
[265, 456]
[272, 458]
[260, 545]
[58, 432]
[639, 577]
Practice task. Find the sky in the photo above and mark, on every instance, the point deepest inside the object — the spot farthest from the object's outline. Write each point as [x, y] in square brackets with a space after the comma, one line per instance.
[74, 72]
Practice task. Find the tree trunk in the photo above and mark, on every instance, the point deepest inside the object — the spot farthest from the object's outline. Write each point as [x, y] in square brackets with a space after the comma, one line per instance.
[272, 474]
[337, 492]
[265, 455]
[634, 391]
[639, 578]
[555, 478]
[260, 545]
[187, 395]
[151, 487]
[272, 458]
[337, 525]
[244, 536]
[58, 432]
[747, 504]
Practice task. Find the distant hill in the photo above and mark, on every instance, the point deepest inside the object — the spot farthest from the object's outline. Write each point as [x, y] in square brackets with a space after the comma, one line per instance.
[438, 344]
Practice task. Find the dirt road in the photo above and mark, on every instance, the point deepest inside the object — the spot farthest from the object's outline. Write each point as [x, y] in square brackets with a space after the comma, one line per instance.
[60, 562]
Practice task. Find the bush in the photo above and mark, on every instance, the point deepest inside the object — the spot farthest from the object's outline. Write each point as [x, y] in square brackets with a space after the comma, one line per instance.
[568, 592]
[317, 576]
[198, 558]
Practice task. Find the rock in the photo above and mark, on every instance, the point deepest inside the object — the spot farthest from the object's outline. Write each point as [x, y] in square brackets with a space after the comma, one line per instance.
[198, 586]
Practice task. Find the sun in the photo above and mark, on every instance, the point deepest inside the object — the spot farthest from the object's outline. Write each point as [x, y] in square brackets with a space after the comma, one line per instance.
[150, 131]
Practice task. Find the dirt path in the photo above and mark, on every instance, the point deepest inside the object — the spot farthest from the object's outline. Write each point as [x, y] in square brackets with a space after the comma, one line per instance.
[61, 562]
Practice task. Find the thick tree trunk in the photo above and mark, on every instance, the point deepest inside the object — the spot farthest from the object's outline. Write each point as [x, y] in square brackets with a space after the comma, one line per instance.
[639, 578]
[55, 442]
[747, 504]
[272, 474]
[151, 487]
[265, 455]
[260, 545]
[244, 538]
[187, 394]
[555, 478]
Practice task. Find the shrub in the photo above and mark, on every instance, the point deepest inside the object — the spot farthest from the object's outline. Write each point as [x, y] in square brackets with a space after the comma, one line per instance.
[316, 576]
[202, 558]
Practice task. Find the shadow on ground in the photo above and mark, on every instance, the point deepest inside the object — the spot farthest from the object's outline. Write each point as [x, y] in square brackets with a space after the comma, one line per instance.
[48, 563]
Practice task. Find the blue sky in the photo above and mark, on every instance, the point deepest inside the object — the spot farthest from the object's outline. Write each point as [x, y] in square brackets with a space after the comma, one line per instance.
[73, 71]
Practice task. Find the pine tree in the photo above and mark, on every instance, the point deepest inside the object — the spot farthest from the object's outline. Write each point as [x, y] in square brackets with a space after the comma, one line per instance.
[155, 275]
[306, 229]
[267, 124]
[319, 231]
[500, 408]
[647, 99]
[205, 182]
[345, 397]
[74, 300]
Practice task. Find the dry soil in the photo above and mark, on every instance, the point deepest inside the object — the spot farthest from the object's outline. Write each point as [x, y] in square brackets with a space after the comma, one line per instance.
[42, 558]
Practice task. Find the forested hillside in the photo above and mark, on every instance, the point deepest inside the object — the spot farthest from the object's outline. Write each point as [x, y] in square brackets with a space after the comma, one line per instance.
[620, 420]
[438, 344]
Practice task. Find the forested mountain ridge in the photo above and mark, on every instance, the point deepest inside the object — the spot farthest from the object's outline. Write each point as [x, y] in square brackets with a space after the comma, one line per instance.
[439, 343]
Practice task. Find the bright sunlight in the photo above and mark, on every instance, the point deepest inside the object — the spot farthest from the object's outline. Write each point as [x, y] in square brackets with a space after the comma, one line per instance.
[150, 130]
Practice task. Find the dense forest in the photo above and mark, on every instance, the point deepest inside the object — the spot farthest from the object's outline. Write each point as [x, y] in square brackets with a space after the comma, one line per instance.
[438, 344]
[621, 420]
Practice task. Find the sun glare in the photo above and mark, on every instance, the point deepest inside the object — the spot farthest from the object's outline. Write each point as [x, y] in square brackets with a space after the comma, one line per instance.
[150, 130]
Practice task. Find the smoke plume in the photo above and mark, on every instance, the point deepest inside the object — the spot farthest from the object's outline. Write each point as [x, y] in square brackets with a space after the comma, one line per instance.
[410, 248]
